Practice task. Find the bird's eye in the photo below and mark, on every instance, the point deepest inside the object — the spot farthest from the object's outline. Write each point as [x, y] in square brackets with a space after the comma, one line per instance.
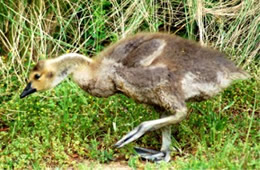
[37, 76]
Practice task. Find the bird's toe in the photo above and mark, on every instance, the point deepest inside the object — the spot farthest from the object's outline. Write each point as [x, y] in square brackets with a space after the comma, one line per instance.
[153, 155]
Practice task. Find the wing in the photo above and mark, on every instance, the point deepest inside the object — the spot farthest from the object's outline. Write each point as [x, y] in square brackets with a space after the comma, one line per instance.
[120, 50]
[145, 53]
[139, 50]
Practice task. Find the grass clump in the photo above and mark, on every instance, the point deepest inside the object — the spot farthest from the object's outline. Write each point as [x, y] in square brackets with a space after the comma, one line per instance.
[65, 126]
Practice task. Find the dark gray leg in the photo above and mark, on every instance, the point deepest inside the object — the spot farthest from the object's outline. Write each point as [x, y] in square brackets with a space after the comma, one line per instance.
[166, 143]
[153, 125]
[164, 154]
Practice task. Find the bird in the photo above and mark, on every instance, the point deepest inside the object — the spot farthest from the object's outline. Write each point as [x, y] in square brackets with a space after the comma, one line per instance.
[162, 70]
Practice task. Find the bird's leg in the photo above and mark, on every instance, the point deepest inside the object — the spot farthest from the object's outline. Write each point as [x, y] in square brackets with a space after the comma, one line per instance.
[153, 125]
[166, 143]
[164, 154]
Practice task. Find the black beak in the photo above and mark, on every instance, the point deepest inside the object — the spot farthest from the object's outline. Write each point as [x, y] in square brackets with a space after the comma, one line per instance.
[28, 90]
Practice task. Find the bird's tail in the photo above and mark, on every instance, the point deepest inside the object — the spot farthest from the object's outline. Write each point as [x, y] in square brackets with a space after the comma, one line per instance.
[239, 75]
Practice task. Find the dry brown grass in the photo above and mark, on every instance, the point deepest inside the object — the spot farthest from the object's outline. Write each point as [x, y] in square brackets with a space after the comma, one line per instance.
[41, 29]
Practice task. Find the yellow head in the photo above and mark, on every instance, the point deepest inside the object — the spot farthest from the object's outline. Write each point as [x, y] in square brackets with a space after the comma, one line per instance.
[41, 78]
[49, 73]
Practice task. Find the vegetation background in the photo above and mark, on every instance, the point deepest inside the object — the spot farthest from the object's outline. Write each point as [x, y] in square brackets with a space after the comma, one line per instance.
[64, 126]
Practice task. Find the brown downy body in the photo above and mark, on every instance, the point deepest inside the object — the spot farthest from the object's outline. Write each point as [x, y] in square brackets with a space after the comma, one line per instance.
[152, 67]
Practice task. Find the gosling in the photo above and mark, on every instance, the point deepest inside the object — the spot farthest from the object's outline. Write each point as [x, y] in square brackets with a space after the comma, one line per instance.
[158, 69]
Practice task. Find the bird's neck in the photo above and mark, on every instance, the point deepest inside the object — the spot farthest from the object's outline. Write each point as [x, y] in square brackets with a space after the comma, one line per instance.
[69, 64]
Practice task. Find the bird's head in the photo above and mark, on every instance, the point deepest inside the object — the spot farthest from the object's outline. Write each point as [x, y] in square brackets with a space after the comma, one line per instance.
[41, 78]
[49, 73]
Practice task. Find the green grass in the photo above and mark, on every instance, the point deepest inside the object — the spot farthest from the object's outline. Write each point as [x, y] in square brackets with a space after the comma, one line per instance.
[64, 126]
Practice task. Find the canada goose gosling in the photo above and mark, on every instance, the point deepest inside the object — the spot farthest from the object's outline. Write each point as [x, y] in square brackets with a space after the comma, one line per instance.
[158, 69]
